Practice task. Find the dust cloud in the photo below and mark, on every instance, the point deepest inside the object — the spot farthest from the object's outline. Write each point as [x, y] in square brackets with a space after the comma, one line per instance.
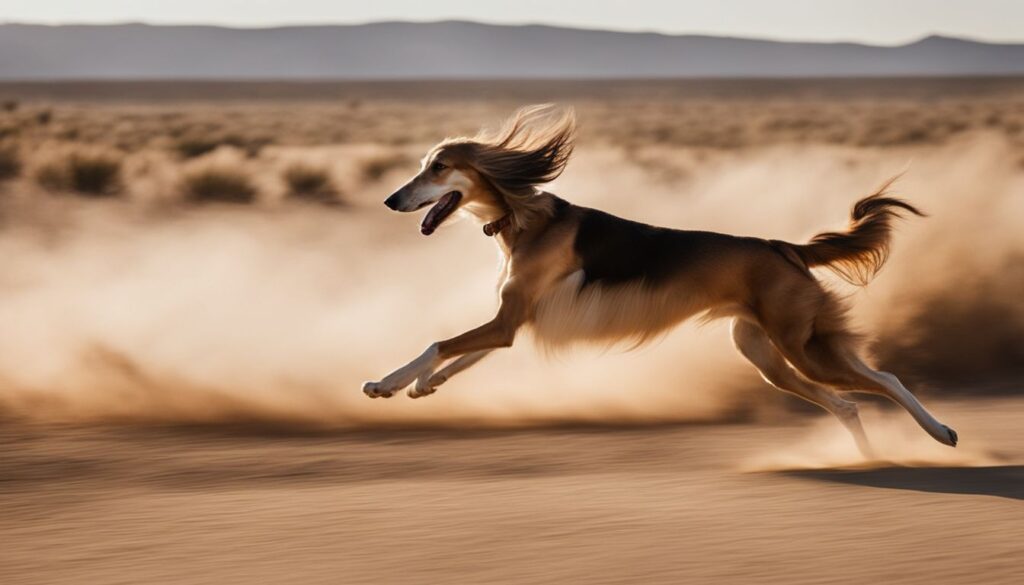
[895, 440]
[112, 311]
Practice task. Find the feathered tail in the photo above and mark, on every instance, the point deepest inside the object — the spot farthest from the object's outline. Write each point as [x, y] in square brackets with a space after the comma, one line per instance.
[857, 254]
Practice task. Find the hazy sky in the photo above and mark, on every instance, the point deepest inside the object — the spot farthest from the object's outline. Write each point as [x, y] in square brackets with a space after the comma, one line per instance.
[876, 21]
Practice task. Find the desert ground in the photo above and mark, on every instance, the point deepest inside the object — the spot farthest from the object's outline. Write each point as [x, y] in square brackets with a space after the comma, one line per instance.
[593, 504]
[197, 277]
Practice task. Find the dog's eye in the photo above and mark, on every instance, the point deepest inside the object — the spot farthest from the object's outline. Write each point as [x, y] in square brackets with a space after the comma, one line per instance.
[437, 167]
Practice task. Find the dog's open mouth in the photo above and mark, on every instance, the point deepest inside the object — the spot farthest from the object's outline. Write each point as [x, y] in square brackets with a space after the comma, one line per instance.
[444, 207]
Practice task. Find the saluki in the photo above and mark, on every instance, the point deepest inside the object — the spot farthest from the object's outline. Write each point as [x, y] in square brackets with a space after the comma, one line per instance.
[572, 273]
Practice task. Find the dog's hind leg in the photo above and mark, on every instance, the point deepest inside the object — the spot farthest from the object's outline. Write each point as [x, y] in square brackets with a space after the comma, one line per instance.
[893, 389]
[826, 358]
[428, 382]
[752, 341]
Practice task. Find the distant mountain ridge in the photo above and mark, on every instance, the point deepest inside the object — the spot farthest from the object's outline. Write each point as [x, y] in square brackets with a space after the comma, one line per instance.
[462, 50]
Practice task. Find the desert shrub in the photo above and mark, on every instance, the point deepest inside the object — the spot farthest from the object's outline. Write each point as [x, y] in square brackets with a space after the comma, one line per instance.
[44, 117]
[250, 145]
[375, 168]
[219, 185]
[9, 105]
[70, 134]
[310, 183]
[52, 176]
[10, 162]
[93, 174]
[195, 147]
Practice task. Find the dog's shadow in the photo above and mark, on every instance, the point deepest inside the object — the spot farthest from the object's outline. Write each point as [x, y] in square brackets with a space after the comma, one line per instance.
[1004, 481]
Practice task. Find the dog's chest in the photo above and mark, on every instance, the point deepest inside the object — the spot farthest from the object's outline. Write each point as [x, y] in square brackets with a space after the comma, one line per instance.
[573, 311]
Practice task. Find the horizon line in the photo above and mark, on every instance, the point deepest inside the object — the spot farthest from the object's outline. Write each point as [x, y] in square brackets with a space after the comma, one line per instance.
[524, 24]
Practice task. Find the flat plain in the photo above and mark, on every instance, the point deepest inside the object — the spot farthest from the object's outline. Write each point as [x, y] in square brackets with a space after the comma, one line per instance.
[196, 278]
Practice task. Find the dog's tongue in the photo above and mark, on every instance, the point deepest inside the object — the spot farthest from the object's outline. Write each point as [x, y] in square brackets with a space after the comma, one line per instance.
[441, 210]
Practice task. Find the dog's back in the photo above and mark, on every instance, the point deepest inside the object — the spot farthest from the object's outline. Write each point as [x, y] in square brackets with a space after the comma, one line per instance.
[629, 280]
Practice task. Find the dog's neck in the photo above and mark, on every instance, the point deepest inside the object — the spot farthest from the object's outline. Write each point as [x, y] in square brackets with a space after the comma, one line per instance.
[499, 222]
[495, 217]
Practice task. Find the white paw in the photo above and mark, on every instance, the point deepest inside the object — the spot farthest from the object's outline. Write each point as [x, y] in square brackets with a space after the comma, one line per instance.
[427, 385]
[378, 390]
[420, 391]
[422, 387]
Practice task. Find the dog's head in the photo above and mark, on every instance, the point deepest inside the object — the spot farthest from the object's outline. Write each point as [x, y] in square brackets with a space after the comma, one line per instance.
[491, 176]
[447, 181]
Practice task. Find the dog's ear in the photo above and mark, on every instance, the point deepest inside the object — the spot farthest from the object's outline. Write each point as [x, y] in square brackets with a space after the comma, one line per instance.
[540, 138]
[531, 148]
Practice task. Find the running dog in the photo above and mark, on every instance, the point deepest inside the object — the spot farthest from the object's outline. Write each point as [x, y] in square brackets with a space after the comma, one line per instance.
[577, 274]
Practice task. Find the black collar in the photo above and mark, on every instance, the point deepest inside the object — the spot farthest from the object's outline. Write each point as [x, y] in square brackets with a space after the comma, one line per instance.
[494, 228]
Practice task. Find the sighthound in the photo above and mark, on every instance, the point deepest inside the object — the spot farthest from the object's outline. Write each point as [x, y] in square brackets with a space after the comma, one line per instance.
[577, 274]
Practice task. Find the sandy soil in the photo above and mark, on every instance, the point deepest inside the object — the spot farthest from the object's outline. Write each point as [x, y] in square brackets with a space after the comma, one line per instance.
[655, 504]
[144, 308]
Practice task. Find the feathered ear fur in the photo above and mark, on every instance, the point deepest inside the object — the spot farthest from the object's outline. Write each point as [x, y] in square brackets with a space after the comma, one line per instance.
[531, 148]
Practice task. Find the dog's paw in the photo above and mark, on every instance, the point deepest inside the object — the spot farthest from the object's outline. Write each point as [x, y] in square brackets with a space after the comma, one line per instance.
[420, 391]
[953, 437]
[422, 388]
[377, 390]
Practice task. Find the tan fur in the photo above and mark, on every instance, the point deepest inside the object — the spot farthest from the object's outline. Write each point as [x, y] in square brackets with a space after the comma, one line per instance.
[859, 253]
[787, 324]
[632, 313]
[531, 148]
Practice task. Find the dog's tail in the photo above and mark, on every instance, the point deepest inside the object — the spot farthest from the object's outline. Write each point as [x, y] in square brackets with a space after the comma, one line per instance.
[858, 253]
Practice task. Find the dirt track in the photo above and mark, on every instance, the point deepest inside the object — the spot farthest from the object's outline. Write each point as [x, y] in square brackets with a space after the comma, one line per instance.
[662, 504]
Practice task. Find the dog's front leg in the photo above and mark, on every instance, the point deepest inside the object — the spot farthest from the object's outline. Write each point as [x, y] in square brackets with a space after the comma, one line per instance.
[471, 345]
[403, 376]
[428, 382]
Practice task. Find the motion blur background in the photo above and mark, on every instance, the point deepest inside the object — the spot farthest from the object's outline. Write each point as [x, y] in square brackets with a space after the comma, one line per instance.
[197, 273]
